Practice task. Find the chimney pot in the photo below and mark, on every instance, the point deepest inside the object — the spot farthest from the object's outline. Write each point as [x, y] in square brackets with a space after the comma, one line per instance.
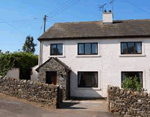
[105, 11]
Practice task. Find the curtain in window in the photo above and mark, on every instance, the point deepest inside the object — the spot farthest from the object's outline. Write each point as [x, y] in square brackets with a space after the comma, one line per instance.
[59, 49]
[79, 79]
[53, 49]
[140, 76]
[94, 80]
[122, 77]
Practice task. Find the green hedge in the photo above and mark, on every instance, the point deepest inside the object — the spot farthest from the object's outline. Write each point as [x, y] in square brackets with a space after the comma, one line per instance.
[21, 60]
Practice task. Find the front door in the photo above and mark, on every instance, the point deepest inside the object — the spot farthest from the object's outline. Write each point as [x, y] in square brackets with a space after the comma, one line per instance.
[51, 77]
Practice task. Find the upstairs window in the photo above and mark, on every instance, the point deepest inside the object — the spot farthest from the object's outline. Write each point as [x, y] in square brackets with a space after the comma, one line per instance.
[131, 47]
[87, 48]
[56, 49]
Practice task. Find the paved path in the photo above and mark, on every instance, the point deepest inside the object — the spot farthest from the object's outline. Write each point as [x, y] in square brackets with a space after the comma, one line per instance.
[15, 108]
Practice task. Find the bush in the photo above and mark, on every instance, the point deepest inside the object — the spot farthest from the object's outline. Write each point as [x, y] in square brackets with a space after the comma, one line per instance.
[132, 83]
[21, 60]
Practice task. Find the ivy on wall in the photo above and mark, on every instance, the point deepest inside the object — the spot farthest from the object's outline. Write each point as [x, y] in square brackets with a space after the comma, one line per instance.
[21, 60]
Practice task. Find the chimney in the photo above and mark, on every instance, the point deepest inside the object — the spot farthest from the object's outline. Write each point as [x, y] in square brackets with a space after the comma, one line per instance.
[107, 17]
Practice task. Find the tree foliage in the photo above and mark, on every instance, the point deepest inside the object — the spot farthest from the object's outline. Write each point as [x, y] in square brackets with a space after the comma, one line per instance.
[21, 60]
[132, 83]
[1, 52]
[29, 45]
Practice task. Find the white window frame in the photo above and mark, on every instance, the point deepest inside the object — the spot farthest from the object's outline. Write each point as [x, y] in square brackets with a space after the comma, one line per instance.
[89, 88]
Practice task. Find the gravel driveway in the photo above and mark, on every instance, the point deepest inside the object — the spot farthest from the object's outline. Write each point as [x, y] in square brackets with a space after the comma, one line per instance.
[16, 108]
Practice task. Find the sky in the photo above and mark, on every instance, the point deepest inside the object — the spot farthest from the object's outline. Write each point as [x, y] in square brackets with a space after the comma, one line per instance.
[20, 18]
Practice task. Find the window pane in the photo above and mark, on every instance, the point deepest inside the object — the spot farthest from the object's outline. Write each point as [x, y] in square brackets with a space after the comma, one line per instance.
[53, 49]
[130, 48]
[59, 49]
[123, 48]
[87, 48]
[81, 80]
[81, 48]
[94, 49]
[94, 79]
[87, 79]
[141, 76]
[122, 77]
[138, 47]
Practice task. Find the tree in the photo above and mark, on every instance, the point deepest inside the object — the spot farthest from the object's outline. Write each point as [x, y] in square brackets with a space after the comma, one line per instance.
[1, 52]
[7, 52]
[29, 45]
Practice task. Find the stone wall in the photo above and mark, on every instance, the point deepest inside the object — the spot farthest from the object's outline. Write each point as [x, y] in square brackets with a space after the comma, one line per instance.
[31, 90]
[128, 103]
[62, 75]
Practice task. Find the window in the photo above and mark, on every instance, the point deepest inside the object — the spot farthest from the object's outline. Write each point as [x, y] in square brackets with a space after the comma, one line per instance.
[87, 48]
[132, 74]
[56, 49]
[51, 77]
[87, 79]
[131, 47]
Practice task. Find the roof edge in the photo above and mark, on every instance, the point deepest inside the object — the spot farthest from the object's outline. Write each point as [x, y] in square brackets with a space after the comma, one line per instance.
[56, 59]
[95, 37]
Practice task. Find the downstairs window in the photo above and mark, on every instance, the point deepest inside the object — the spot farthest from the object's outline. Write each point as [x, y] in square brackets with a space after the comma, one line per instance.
[132, 74]
[87, 79]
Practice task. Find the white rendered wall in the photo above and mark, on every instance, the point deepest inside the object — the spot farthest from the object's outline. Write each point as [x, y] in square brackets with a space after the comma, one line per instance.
[34, 76]
[109, 63]
[13, 73]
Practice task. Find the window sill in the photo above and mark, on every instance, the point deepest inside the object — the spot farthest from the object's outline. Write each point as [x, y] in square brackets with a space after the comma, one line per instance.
[96, 89]
[87, 56]
[58, 56]
[133, 55]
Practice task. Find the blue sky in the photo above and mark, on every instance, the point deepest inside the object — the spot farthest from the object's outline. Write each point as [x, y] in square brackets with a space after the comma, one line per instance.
[20, 18]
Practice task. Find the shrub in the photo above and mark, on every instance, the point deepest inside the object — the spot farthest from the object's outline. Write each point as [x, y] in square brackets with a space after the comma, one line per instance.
[132, 83]
[21, 60]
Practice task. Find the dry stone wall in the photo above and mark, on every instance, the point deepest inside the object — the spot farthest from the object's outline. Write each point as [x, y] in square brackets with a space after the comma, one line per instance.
[128, 103]
[31, 90]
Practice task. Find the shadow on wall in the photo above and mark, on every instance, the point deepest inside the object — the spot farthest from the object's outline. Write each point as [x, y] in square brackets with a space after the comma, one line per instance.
[78, 93]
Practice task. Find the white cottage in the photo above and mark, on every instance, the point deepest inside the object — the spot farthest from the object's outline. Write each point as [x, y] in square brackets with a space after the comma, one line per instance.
[95, 54]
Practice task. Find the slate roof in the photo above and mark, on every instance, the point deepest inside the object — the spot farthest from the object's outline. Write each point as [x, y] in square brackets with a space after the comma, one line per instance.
[56, 59]
[122, 28]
